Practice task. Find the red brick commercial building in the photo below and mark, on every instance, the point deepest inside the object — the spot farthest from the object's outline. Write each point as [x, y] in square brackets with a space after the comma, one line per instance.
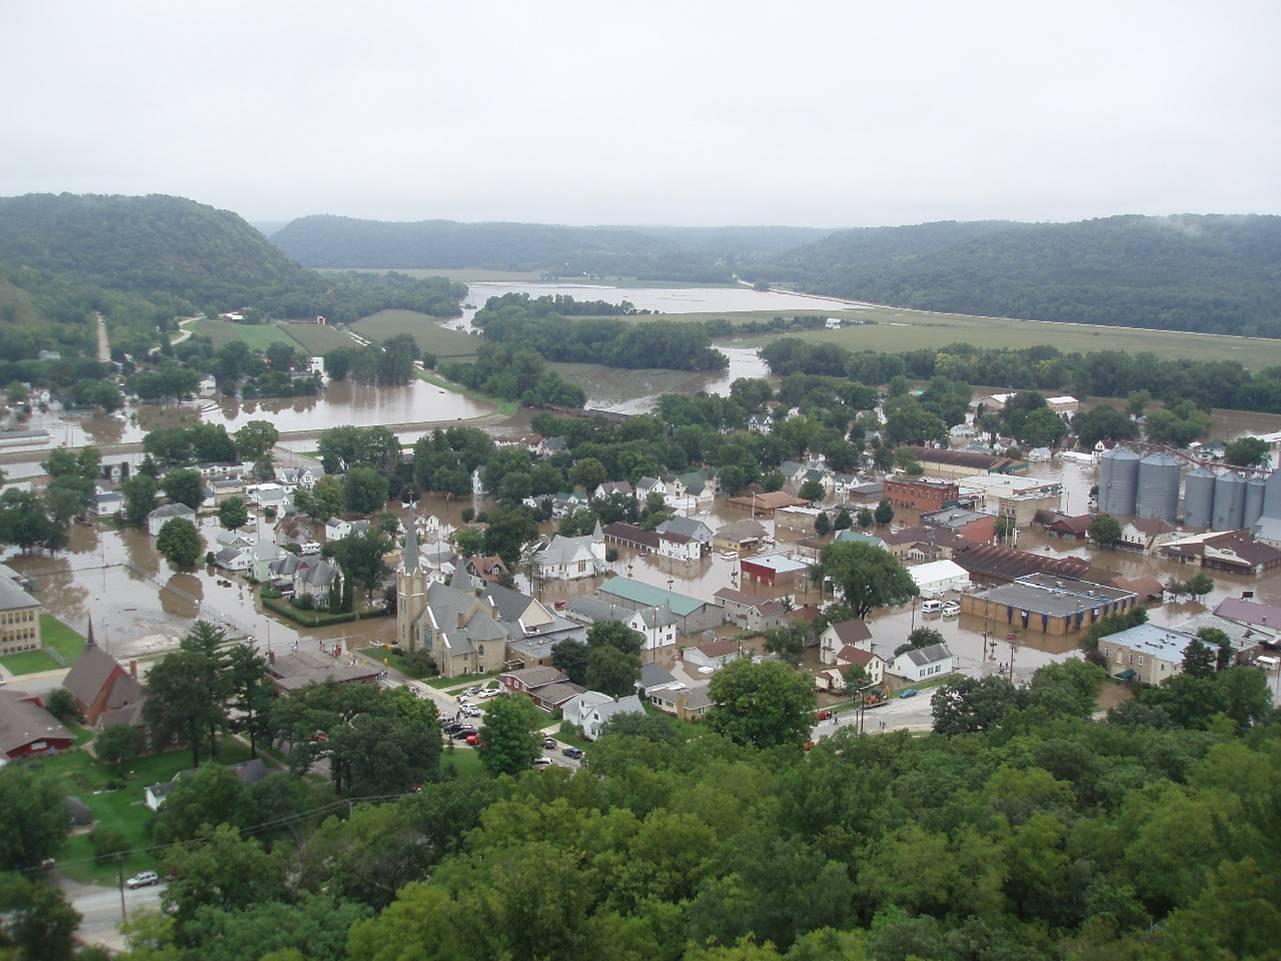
[974, 526]
[773, 570]
[921, 495]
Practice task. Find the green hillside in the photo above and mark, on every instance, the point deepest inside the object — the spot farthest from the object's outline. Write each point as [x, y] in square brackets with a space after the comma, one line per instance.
[143, 261]
[1218, 274]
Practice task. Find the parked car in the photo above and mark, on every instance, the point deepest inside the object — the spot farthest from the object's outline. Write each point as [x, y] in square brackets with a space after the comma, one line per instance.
[549, 743]
[910, 692]
[464, 732]
[931, 606]
[542, 761]
[453, 727]
[951, 609]
[143, 879]
[822, 715]
[472, 740]
[574, 752]
[491, 692]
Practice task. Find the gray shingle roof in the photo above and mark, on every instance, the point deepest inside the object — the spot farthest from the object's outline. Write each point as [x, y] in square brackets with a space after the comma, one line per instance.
[13, 597]
[921, 656]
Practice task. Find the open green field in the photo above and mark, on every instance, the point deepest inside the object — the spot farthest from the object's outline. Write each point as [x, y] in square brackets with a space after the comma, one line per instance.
[257, 336]
[894, 330]
[429, 335]
[317, 339]
[67, 643]
[121, 809]
[465, 762]
[29, 662]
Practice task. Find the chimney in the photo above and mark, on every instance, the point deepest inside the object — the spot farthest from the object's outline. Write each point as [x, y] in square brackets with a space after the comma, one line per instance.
[133, 670]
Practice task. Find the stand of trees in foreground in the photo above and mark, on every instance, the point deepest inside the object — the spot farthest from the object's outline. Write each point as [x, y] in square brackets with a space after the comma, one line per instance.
[1033, 833]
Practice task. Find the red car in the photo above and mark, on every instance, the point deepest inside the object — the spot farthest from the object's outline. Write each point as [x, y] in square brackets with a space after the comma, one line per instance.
[473, 739]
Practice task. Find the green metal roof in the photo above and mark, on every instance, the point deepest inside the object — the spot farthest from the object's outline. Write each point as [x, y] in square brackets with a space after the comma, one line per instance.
[650, 596]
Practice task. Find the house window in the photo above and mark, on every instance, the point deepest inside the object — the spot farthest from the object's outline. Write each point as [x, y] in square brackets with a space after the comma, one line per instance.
[481, 649]
[1140, 660]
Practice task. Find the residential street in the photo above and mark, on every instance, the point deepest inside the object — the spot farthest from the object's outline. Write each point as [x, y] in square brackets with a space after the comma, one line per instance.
[898, 714]
[100, 909]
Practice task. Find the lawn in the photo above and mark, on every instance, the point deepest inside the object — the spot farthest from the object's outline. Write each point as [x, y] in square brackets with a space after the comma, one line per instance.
[121, 809]
[462, 680]
[464, 761]
[29, 662]
[67, 643]
[430, 336]
[317, 339]
[257, 336]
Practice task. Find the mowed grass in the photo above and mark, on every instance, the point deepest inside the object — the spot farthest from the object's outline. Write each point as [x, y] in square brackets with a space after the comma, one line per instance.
[427, 333]
[57, 635]
[29, 662]
[257, 336]
[896, 330]
[120, 809]
[317, 339]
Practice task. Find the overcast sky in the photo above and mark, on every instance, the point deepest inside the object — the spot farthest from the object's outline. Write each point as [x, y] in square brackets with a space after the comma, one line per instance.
[826, 114]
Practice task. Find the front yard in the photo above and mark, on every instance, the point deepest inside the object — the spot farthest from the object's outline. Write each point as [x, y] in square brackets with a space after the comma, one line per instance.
[118, 805]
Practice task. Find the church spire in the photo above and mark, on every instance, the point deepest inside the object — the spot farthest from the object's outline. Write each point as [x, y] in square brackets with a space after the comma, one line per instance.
[89, 641]
[409, 560]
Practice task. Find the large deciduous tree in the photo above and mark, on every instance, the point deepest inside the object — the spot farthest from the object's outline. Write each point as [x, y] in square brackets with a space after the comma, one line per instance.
[764, 705]
[508, 741]
[866, 576]
[178, 542]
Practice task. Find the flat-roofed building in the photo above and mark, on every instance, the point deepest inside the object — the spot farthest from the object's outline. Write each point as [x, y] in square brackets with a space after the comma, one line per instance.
[921, 494]
[1048, 605]
[1146, 653]
[19, 619]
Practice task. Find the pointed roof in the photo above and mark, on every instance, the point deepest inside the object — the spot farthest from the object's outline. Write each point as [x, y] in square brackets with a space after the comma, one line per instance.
[597, 533]
[89, 641]
[409, 559]
[460, 581]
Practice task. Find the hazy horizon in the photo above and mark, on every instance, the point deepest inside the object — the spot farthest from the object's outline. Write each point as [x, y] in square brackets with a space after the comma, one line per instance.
[828, 116]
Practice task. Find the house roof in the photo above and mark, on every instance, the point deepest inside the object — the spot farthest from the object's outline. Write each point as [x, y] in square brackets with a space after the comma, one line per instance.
[1145, 586]
[1073, 524]
[718, 648]
[632, 534]
[649, 596]
[851, 631]
[856, 655]
[562, 550]
[13, 597]
[297, 670]
[921, 656]
[1151, 526]
[651, 675]
[1249, 612]
[1009, 564]
[89, 673]
[689, 526]
[536, 677]
[624, 705]
[859, 537]
[24, 721]
[558, 693]
[172, 510]
[741, 531]
[1159, 642]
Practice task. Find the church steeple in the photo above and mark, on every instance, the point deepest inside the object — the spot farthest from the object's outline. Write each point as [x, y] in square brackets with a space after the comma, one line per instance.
[89, 641]
[409, 560]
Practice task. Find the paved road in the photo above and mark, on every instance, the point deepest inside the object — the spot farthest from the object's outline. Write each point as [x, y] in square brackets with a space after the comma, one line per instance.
[898, 714]
[100, 909]
[104, 345]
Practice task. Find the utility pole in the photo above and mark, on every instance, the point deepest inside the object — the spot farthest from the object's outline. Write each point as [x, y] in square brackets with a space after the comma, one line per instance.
[120, 875]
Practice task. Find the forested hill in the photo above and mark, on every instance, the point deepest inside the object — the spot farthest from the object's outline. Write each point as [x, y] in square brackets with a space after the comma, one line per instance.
[142, 261]
[153, 243]
[328, 241]
[1220, 274]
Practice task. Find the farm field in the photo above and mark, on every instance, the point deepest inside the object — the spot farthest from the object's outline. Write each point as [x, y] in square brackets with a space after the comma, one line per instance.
[430, 336]
[257, 336]
[317, 339]
[899, 330]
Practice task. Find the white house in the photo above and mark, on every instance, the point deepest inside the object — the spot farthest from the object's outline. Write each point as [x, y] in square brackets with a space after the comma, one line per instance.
[650, 485]
[166, 512]
[236, 538]
[853, 633]
[609, 488]
[873, 665]
[106, 504]
[656, 624]
[691, 527]
[923, 663]
[679, 547]
[712, 656]
[571, 558]
[264, 554]
[336, 529]
[939, 577]
[235, 558]
[597, 716]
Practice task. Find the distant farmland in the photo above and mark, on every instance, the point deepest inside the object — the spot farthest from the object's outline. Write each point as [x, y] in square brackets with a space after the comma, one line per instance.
[894, 330]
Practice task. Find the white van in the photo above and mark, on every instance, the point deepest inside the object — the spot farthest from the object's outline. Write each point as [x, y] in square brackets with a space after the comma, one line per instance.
[1267, 663]
[931, 606]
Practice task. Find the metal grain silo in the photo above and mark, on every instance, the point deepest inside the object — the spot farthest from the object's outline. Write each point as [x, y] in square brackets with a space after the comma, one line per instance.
[1272, 495]
[1159, 487]
[1198, 497]
[1229, 502]
[1120, 467]
[1255, 490]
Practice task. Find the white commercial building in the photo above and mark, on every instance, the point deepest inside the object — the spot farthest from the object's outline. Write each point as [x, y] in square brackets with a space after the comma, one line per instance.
[939, 577]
